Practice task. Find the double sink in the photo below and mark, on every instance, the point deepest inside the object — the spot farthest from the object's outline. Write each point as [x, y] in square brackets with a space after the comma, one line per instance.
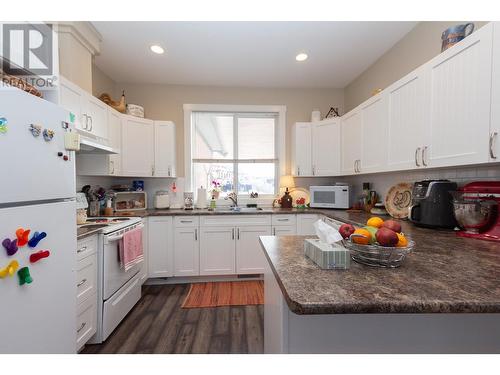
[241, 210]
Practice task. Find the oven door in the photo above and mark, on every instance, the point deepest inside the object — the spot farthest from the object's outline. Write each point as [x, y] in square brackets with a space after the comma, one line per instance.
[323, 197]
[114, 277]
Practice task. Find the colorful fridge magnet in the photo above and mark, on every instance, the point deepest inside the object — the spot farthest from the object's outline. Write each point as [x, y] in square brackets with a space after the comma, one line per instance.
[24, 276]
[3, 125]
[35, 257]
[10, 246]
[10, 270]
[36, 238]
[22, 236]
[35, 130]
[48, 134]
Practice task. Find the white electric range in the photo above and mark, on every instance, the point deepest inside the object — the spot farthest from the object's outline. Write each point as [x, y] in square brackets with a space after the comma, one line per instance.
[118, 290]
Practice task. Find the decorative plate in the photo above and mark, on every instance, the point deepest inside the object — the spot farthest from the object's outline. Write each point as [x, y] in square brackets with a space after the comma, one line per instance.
[297, 193]
[398, 199]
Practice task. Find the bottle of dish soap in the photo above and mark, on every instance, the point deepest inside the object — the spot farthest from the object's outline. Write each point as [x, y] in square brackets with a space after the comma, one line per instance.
[212, 203]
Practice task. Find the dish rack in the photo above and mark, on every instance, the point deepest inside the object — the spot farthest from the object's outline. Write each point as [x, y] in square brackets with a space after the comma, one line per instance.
[379, 256]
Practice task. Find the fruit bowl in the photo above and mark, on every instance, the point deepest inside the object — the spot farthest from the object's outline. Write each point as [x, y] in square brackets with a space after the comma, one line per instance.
[379, 256]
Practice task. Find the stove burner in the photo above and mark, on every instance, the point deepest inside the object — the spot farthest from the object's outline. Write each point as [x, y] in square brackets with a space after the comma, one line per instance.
[107, 220]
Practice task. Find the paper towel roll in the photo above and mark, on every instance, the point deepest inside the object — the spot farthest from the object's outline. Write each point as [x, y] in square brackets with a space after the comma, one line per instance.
[201, 200]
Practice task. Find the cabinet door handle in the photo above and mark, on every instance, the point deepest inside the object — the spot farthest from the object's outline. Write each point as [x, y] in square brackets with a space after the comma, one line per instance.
[492, 143]
[423, 156]
[417, 150]
[152, 170]
[91, 123]
[81, 327]
[196, 234]
[186, 221]
[238, 233]
[112, 165]
[169, 170]
[85, 124]
[281, 219]
[81, 250]
[355, 169]
[232, 233]
[359, 165]
[314, 170]
[274, 231]
[298, 171]
[81, 283]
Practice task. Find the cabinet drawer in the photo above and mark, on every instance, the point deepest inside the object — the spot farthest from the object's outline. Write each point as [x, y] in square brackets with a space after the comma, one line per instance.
[86, 278]
[186, 221]
[284, 219]
[86, 246]
[86, 321]
[235, 220]
[284, 230]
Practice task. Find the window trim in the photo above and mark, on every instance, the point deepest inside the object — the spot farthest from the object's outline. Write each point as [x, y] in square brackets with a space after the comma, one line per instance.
[280, 135]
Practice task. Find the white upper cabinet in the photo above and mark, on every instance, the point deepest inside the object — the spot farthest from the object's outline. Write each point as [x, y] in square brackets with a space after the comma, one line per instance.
[494, 141]
[351, 142]
[72, 97]
[316, 148]
[90, 112]
[97, 113]
[326, 147]
[115, 141]
[302, 143]
[373, 140]
[164, 149]
[406, 101]
[137, 147]
[458, 113]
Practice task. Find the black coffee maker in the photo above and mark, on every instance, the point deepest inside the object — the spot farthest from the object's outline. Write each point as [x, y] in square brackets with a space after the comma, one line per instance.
[432, 204]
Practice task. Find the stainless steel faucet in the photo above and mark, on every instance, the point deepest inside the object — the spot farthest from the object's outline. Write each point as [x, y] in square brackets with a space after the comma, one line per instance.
[234, 198]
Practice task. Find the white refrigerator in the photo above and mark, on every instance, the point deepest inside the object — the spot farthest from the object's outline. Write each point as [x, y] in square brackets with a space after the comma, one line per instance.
[37, 193]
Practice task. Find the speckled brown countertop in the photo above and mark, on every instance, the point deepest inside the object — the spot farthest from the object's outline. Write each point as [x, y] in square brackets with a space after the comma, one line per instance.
[220, 211]
[444, 274]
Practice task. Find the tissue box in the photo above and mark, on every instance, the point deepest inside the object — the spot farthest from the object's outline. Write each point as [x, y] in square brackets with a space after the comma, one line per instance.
[328, 257]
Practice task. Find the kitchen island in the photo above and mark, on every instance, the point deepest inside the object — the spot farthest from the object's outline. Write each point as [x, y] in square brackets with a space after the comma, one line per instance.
[445, 298]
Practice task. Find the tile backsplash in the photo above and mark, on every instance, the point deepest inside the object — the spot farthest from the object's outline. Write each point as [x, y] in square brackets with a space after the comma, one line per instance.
[380, 182]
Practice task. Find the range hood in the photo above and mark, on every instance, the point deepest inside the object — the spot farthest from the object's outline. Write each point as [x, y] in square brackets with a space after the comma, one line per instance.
[90, 146]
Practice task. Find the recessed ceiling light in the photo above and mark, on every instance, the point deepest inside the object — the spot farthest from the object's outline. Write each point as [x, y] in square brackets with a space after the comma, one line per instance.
[157, 49]
[301, 57]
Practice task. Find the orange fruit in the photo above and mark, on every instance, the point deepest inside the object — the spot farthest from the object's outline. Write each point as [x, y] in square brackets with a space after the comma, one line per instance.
[375, 222]
[402, 240]
[365, 240]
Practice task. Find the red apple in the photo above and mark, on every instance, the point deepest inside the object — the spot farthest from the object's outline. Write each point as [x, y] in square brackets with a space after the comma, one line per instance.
[346, 230]
[386, 237]
[392, 225]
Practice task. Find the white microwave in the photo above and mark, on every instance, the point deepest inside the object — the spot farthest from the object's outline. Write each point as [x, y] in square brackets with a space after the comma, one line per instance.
[336, 196]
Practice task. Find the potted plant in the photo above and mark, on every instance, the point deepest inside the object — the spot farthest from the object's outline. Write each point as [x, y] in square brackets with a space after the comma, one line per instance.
[215, 189]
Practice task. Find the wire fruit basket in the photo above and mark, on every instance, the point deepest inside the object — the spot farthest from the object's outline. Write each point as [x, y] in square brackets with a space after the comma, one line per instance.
[379, 256]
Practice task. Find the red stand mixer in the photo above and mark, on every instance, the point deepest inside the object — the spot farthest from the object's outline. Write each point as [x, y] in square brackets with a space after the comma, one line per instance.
[477, 210]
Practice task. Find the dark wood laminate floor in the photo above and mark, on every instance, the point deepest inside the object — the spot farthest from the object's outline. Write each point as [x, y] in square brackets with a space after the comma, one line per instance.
[158, 324]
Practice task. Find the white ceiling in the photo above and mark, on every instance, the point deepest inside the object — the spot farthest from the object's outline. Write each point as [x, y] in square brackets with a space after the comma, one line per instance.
[245, 54]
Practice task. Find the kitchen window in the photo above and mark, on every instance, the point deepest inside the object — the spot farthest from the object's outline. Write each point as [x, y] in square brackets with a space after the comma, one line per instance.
[238, 150]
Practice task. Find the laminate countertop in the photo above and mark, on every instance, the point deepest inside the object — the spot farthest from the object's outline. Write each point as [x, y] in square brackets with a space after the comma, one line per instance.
[444, 274]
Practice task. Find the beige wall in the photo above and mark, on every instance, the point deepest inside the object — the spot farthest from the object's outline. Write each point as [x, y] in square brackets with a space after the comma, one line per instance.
[75, 61]
[101, 83]
[165, 102]
[421, 44]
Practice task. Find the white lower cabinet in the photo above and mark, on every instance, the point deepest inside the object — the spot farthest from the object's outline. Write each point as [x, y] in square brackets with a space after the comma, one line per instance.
[284, 230]
[217, 250]
[305, 223]
[143, 273]
[160, 245]
[186, 251]
[86, 286]
[250, 258]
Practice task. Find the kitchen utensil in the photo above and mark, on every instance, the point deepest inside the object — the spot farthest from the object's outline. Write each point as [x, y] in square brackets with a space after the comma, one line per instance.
[476, 208]
[432, 204]
[379, 256]
[398, 199]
